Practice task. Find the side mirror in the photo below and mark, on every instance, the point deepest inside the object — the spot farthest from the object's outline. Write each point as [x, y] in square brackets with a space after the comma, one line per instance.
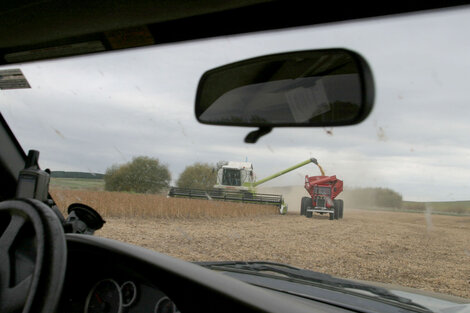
[315, 88]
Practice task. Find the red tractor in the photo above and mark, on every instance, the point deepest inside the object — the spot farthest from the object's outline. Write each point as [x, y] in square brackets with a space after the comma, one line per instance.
[323, 190]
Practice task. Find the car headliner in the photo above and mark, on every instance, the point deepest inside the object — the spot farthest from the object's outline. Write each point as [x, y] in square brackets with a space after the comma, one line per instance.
[31, 25]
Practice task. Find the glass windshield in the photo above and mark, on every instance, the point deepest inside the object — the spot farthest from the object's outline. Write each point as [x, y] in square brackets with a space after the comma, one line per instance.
[118, 130]
[231, 177]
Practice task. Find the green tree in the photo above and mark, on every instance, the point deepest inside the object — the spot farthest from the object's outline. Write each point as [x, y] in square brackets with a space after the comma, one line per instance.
[198, 176]
[142, 175]
[220, 164]
[388, 198]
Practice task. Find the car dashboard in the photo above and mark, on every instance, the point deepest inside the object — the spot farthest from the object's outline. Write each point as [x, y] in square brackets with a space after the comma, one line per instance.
[99, 283]
[105, 275]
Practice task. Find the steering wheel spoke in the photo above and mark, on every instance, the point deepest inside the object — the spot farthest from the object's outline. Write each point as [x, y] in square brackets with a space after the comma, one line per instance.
[7, 239]
[10, 233]
[30, 280]
[15, 296]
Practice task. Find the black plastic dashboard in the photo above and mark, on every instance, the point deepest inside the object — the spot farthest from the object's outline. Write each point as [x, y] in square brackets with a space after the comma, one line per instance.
[162, 283]
[190, 287]
[105, 275]
[97, 283]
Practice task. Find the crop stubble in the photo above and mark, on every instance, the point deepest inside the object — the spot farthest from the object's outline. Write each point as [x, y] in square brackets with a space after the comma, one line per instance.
[409, 249]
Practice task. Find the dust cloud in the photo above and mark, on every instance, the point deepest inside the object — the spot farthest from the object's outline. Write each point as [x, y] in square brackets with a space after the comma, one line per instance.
[293, 194]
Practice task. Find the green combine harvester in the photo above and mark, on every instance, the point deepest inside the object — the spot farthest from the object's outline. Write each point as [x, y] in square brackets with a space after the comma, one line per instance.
[236, 182]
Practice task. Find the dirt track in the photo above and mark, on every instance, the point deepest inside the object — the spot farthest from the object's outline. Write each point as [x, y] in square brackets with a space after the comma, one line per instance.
[431, 253]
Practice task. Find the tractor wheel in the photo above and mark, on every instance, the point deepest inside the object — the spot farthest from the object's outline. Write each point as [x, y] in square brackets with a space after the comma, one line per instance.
[341, 205]
[332, 216]
[309, 214]
[336, 209]
[304, 204]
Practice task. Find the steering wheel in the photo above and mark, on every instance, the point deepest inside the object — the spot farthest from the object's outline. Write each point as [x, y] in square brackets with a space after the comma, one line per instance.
[32, 257]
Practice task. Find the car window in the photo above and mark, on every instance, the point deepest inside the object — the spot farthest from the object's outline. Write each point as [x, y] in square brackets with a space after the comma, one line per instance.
[405, 169]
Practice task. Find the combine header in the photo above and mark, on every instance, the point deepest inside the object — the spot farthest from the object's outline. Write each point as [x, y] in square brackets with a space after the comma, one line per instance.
[323, 190]
[236, 182]
[226, 195]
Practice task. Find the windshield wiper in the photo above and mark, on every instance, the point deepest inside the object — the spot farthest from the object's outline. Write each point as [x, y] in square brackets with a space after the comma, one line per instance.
[297, 274]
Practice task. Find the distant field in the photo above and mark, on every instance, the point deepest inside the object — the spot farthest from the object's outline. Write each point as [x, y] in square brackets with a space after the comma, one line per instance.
[442, 208]
[450, 207]
[77, 183]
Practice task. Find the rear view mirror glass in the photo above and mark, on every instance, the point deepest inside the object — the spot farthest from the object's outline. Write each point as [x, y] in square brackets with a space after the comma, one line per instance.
[308, 88]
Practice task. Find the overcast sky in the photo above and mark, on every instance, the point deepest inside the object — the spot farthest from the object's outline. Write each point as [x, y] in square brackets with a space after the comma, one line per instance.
[87, 113]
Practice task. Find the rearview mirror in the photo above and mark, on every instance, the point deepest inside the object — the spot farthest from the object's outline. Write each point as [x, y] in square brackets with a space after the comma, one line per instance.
[330, 87]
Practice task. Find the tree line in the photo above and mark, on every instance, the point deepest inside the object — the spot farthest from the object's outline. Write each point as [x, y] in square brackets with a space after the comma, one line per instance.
[148, 175]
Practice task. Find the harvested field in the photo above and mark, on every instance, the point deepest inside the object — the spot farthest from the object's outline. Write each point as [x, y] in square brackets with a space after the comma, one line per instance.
[430, 252]
[409, 249]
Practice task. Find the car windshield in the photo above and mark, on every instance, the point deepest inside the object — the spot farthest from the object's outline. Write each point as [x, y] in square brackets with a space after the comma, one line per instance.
[118, 131]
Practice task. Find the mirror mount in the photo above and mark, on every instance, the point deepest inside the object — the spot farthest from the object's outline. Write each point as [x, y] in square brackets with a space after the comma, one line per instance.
[253, 136]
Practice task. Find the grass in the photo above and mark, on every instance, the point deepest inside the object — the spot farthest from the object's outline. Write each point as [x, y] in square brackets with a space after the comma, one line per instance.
[121, 204]
[438, 208]
[442, 207]
[77, 183]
